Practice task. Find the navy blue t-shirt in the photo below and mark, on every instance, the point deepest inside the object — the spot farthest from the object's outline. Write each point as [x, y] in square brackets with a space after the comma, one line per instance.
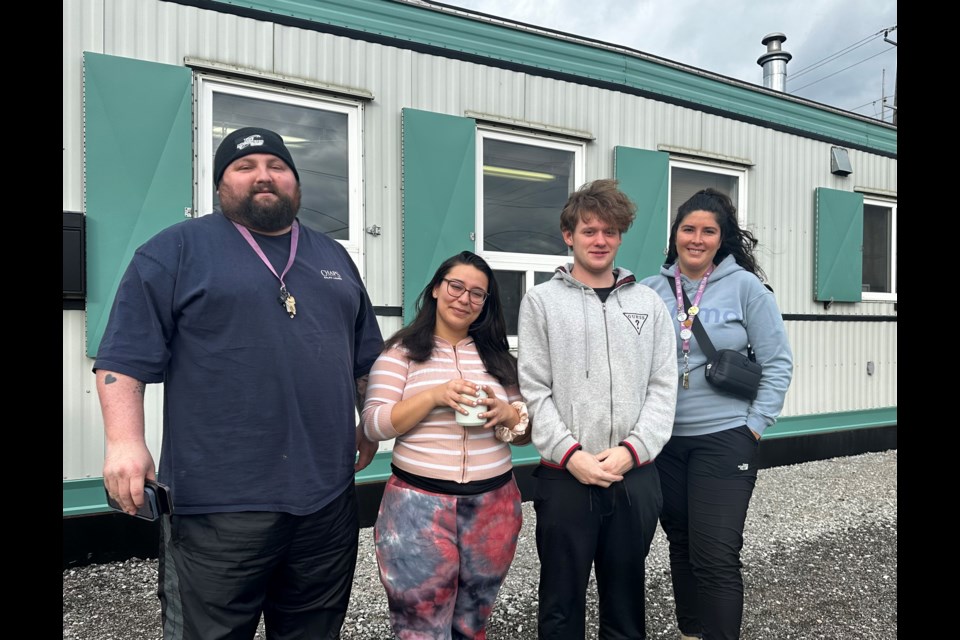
[258, 406]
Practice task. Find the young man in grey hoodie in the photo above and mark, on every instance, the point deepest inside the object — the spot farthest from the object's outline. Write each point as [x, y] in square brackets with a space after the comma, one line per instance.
[598, 370]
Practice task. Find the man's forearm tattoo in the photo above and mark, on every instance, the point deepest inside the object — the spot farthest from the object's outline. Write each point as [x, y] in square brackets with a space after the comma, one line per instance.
[361, 391]
[139, 389]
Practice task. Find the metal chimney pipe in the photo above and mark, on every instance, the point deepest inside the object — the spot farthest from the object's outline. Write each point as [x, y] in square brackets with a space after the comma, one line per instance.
[774, 62]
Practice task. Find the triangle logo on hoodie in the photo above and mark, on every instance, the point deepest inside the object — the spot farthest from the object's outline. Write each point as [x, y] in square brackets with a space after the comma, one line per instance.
[637, 320]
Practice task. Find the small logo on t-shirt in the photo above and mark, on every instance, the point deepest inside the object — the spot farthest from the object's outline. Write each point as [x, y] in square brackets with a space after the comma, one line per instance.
[743, 467]
[330, 275]
[250, 141]
[637, 320]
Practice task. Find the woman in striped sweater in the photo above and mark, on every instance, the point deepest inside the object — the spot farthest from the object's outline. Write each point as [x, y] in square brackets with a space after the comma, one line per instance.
[448, 523]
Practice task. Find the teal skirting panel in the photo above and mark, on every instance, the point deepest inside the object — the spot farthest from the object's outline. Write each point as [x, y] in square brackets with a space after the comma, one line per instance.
[828, 422]
[83, 497]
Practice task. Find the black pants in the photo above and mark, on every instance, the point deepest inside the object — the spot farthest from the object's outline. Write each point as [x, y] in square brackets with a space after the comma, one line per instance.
[582, 525]
[707, 483]
[220, 571]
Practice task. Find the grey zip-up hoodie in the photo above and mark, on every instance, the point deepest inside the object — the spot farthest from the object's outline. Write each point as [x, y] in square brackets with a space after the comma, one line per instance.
[597, 375]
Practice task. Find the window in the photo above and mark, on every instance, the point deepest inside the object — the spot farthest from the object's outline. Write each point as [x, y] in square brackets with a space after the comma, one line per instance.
[879, 250]
[686, 178]
[323, 136]
[513, 284]
[523, 182]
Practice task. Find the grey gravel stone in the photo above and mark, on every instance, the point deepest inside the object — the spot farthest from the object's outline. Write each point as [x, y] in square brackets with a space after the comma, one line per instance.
[820, 562]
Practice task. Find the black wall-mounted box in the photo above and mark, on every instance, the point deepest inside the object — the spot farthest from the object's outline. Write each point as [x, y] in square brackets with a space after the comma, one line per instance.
[74, 257]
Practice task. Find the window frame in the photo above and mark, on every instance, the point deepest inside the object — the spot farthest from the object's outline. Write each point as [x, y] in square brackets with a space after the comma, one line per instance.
[527, 263]
[884, 296]
[703, 166]
[207, 85]
[533, 261]
[529, 272]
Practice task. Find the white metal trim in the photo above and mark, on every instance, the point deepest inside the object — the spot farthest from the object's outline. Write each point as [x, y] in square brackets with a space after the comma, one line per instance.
[534, 127]
[579, 170]
[708, 167]
[876, 296]
[702, 155]
[248, 74]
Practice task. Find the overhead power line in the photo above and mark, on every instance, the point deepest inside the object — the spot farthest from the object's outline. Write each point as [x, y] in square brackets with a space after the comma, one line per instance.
[877, 110]
[840, 71]
[866, 104]
[834, 56]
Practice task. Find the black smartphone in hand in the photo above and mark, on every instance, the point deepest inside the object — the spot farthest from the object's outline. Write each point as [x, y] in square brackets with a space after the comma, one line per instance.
[156, 501]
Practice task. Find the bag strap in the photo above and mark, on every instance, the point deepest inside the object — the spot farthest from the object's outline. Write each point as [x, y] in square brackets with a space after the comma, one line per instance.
[701, 334]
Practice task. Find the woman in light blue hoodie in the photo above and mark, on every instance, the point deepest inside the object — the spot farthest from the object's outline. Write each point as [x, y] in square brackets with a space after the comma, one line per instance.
[706, 469]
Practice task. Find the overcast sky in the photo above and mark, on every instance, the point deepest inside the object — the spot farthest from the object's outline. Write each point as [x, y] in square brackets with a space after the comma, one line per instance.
[724, 37]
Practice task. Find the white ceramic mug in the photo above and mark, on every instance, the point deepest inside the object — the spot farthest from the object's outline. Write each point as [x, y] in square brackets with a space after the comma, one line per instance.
[472, 417]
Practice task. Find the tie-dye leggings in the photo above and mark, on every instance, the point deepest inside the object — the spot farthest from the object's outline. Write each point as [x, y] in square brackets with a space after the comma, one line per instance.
[443, 558]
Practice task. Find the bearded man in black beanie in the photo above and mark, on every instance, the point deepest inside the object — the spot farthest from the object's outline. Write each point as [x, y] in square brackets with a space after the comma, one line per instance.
[263, 334]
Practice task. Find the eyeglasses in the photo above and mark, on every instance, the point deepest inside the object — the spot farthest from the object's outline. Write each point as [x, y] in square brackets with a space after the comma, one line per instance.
[456, 288]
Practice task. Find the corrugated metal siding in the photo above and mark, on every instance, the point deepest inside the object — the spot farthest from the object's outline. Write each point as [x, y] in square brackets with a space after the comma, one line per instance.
[434, 86]
[381, 167]
[780, 209]
[381, 172]
[785, 170]
[307, 54]
[830, 367]
[82, 422]
[166, 32]
[871, 173]
[670, 126]
[82, 31]
[613, 118]
[562, 103]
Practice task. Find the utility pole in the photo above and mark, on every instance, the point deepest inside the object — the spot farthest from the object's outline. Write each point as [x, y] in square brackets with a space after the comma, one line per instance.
[894, 101]
[886, 38]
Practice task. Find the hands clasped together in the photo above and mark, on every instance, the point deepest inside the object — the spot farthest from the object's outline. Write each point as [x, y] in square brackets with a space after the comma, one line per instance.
[602, 469]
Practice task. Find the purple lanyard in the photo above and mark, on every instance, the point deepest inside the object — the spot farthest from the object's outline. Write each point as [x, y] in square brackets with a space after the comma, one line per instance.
[685, 318]
[286, 298]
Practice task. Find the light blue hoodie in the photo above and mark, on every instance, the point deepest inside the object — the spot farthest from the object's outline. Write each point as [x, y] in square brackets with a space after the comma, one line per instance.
[736, 309]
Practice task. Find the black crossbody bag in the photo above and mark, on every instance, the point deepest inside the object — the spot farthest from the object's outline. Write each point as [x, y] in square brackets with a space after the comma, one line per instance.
[728, 370]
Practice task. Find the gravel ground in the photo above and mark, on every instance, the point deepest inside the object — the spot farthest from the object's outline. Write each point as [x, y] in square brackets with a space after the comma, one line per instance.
[820, 561]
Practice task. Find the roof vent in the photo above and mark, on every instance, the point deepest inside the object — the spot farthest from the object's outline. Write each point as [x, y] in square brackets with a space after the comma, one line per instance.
[774, 62]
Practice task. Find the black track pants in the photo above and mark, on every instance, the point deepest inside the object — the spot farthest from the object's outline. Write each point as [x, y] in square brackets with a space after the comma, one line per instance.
[580, 525]
[220, 571]
[707, 484]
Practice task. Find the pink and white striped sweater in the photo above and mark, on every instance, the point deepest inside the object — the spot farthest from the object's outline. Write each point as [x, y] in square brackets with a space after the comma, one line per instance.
[438, 447]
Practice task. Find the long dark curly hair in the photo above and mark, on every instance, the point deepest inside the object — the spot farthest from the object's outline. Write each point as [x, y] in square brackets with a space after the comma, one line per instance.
[489, 330]
[734, 240]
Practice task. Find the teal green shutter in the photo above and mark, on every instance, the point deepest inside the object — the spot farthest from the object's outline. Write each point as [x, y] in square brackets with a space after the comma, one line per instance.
[838, 260]
[439, 195]
[138, 159]
[644, 177]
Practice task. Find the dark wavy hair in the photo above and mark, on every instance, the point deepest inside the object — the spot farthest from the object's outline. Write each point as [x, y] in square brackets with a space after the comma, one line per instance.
[734, 240]
[489, 330]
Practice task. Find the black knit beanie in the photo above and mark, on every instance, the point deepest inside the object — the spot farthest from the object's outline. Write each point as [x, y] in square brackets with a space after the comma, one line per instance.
[243, 142]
